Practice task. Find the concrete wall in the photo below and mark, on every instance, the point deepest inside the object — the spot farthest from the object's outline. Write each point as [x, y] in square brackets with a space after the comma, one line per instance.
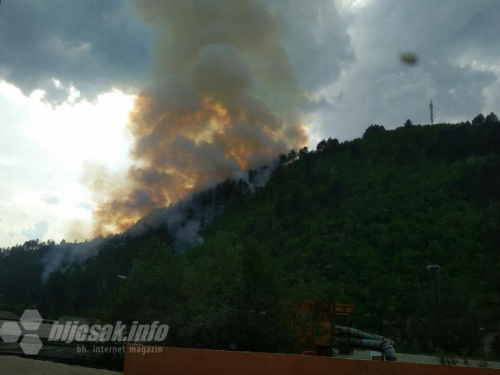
[211, 362]
[421, 359]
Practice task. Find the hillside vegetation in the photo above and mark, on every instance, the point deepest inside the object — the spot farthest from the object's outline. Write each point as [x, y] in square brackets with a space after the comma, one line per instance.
[357, 222]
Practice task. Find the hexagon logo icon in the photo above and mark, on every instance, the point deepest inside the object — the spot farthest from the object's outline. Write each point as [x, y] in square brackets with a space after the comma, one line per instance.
[31, 320]
[31, 344]
[10, 332]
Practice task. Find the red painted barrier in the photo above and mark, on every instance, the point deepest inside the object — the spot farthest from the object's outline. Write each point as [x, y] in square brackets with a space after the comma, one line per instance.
[211, 362]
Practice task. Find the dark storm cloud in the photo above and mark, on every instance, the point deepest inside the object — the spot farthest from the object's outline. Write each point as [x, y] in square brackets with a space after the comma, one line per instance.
[353, 58]
[458, 55]
[94, 45]
[318, 41]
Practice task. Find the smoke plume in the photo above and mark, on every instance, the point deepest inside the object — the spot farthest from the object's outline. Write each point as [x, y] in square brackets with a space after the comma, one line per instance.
[222, 98]
[62, 256]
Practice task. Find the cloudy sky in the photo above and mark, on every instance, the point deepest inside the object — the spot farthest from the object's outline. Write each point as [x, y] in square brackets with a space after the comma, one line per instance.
[69, 71]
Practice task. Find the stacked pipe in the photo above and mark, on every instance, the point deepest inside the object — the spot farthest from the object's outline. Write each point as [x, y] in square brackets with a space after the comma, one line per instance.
[364, 340]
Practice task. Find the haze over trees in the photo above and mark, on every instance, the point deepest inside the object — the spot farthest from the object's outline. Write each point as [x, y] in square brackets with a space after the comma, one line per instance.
[357, 221]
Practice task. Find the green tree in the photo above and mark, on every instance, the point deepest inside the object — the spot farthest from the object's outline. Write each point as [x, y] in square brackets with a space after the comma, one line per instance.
[373, 129]
[478, 120]
[153, 288]
[491, 119]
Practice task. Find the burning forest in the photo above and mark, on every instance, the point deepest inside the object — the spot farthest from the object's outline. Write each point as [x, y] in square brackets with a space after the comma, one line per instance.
[222, 98]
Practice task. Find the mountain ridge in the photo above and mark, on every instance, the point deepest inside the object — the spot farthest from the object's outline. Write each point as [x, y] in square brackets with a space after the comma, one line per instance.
[357, 221]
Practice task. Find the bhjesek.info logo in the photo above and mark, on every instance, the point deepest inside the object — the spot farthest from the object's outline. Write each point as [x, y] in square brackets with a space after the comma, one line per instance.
[31, 332]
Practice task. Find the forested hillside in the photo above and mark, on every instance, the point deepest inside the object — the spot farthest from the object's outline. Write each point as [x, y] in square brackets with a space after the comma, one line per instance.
[357, 222]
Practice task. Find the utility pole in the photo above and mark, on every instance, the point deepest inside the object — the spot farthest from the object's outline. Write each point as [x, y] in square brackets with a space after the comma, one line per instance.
[434, 268]
[431, 107]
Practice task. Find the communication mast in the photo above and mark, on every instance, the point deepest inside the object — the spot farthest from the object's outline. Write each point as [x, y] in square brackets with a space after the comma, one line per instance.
[431, 107]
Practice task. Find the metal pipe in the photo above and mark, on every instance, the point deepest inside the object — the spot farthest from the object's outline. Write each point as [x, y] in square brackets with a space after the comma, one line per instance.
[383, 346]
[342, 330]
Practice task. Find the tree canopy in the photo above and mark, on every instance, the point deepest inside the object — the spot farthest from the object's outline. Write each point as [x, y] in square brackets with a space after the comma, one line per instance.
[357, 221]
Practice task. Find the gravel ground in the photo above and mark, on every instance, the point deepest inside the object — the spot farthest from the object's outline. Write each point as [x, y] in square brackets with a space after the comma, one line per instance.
[11, 365]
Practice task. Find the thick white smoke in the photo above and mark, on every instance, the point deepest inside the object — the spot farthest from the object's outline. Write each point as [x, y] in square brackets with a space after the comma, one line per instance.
[229, 83]
[223, 97]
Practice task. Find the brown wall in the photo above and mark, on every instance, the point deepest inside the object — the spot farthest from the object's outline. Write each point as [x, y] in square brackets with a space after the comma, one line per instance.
[211, 362]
